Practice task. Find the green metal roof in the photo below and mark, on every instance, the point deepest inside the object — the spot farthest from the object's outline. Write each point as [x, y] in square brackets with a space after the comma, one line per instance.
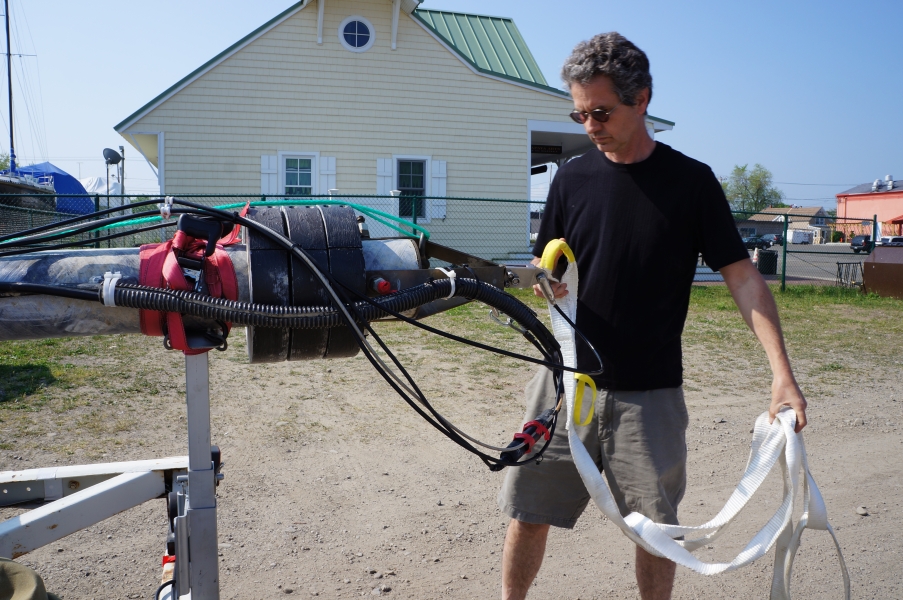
[492, 45]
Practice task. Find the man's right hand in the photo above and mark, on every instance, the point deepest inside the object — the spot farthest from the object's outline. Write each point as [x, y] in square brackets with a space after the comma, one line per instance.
[560, 290]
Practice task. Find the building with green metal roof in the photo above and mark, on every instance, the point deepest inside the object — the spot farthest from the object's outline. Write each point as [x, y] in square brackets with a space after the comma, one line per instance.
[366, 97]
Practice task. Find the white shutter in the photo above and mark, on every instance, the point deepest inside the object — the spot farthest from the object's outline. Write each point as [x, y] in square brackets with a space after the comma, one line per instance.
[327, 174]
[269, 175]
[383, 176]
[437, 207]
[384, 183]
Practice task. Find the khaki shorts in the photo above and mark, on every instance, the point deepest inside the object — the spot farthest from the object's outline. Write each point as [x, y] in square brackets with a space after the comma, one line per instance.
[638, 440]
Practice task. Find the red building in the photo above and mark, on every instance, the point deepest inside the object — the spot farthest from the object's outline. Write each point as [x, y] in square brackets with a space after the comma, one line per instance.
[883, 197]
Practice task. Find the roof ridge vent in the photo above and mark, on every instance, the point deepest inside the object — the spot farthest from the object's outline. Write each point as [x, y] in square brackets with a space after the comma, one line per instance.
[889, 182]
[875, 185]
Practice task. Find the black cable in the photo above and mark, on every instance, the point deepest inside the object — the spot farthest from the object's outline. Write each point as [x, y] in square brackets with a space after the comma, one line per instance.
[585, 341]
[93, 215]
[163, 586]
[523, 357]
[17, 287]
[30, 240]
[341, 305]
[328, 282]
[88, 242]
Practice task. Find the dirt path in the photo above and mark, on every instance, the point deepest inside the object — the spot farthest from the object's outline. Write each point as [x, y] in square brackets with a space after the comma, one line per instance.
[336, 489]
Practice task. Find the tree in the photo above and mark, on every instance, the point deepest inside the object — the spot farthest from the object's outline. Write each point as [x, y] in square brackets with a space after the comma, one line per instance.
[4, 161]
[751, 191]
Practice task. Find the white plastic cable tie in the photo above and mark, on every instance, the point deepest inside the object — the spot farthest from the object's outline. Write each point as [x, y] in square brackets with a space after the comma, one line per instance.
[450, 273]
[109, 285]
[166, 207]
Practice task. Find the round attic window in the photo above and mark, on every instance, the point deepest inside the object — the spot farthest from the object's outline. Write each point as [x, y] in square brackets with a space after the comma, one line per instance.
[357, 34]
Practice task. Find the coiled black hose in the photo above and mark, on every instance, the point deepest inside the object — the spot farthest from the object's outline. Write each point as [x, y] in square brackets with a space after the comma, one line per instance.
[322, 317]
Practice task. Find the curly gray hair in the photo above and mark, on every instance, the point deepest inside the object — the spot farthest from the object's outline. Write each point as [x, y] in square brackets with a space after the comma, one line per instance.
[612, 55]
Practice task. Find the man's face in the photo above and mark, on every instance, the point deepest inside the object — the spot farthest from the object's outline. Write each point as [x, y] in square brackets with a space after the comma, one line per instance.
[625, 123]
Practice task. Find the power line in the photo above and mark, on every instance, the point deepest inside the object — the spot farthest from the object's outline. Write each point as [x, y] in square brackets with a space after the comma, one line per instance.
[802, 199]
[820, 184]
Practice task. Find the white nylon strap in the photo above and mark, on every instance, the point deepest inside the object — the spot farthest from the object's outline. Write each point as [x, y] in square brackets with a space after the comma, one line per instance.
[771, 443]
[109, 285]
[450, 273]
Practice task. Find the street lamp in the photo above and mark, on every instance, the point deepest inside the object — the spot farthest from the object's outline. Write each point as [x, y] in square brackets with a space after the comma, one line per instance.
[110, 157]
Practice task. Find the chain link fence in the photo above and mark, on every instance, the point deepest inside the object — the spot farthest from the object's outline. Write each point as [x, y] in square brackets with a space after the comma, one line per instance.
[788, 249]
[808, 248]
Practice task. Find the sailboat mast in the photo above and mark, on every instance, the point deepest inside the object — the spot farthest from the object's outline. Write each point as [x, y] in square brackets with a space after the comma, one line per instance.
[9, 82]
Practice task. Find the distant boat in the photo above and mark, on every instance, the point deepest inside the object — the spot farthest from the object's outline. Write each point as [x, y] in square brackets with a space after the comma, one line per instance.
[31, 191]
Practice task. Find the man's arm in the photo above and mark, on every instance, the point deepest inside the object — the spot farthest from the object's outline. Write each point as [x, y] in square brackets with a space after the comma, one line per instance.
[758, 308]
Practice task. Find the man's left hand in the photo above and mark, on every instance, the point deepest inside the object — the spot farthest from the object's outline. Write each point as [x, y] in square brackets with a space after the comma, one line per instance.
[786, 392]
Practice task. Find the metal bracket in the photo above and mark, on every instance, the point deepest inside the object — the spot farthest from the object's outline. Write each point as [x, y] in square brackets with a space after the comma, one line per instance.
[523, 276]
[509, 322]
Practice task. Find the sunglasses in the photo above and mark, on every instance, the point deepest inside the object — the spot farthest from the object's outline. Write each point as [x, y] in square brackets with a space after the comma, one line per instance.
[599, 115]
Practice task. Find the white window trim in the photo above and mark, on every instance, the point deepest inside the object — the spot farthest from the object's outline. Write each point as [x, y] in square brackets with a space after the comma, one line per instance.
[314, 168]
[427, 180]
[341, 33]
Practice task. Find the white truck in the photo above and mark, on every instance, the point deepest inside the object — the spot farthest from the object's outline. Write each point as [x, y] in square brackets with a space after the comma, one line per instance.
[800, 236]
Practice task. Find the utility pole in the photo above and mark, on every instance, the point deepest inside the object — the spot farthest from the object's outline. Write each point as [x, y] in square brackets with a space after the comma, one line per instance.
[9, 82]
[122, 175]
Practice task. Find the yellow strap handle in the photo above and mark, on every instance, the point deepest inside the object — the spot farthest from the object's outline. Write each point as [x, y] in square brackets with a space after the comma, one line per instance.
[551, 253]
[582, 382]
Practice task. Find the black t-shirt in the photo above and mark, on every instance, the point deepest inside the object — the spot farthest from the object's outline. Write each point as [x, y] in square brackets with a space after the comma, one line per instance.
[637, 230]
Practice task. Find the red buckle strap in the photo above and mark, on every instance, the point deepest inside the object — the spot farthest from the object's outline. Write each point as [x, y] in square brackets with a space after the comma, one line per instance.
[159, 268]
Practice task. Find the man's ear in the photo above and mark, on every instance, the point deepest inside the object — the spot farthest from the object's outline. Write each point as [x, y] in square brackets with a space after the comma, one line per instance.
[642, 100]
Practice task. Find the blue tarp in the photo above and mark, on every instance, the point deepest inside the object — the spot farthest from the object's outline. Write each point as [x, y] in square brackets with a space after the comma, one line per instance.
[79, 203]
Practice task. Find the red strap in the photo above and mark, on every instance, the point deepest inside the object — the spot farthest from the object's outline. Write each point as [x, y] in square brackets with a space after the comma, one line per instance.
[233, 238]
[150, 273]
[168, 558]
[528, 440]
[160, 268]
[540, 428]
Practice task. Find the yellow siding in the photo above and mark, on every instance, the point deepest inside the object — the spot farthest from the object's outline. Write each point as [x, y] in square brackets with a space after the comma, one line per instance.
[283, 92]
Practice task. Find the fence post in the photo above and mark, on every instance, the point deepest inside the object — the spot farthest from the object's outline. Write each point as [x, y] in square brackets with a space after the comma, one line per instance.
[875, 233]
[96, 209]
[784, 254]
[109, 242]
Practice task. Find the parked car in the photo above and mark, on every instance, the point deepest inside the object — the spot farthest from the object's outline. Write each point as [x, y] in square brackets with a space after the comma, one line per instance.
[755, 241]
[861, 243]
[894, 240]
[774, 239]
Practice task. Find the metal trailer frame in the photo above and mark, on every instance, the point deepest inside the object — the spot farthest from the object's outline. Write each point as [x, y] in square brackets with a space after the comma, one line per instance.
[82, 495]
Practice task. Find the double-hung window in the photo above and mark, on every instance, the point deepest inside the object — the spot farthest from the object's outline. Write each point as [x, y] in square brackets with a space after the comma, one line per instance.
[298, 176]
[412, 184]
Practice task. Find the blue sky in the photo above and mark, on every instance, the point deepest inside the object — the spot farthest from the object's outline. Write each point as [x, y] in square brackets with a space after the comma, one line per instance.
[812, 90]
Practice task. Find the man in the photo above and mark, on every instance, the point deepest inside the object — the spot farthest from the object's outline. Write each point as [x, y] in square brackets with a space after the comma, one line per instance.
[637, 214]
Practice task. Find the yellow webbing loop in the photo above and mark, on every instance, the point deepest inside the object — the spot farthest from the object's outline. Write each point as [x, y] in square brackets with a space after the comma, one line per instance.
[552, 251]
[582, 382]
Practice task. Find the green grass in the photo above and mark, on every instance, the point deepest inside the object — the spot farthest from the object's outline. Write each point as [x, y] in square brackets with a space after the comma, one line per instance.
[28, 368]
[816, 321]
